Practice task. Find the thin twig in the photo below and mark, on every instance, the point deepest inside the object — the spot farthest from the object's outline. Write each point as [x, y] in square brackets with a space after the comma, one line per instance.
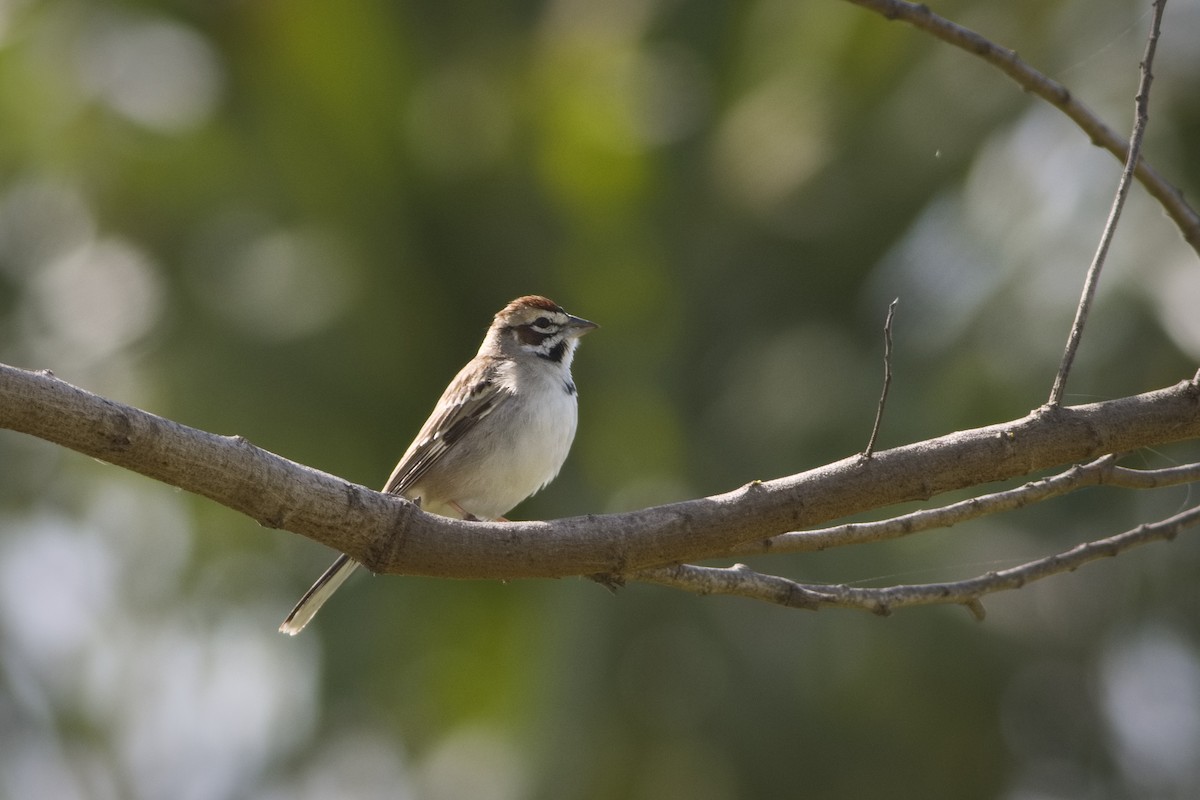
[932, 518]
[1153, 478]
[741, 581]
[887, 378]
[1102, 471]
[738, 580]
[1141, 118]
[1054, 93]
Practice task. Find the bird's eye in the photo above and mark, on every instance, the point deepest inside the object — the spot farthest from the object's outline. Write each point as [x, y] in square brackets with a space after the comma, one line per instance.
[541, 322]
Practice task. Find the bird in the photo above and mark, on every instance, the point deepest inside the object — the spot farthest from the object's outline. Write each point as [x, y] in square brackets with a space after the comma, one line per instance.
[500, 432]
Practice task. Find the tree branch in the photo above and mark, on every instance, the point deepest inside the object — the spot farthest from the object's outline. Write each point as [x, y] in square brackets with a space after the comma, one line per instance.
[741, 581]
[1054, 93]
[391, 535]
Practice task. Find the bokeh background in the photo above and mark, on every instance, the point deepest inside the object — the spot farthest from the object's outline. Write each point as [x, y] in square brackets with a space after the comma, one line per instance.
[294, 220]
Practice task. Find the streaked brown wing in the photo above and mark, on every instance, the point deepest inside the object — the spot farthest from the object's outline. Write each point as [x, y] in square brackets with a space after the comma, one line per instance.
[467, 400]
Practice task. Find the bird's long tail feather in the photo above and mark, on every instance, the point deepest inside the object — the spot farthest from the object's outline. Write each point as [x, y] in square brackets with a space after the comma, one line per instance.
[315, 597]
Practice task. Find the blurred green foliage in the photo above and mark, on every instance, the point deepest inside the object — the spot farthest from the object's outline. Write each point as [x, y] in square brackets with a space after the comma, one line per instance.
[293, 221]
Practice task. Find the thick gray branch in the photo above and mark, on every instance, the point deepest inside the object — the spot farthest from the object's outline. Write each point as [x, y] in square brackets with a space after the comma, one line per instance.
[390, 535]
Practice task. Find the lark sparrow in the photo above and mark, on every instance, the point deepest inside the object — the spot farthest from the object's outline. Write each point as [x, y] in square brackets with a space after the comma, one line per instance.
[499, 433]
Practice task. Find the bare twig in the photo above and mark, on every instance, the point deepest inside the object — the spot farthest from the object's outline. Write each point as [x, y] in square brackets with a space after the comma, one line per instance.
[1053, 92]
[738, 580]
[741, 581]
[887, 377]
[1152, 478]
[1102, 471]
[1141, 118]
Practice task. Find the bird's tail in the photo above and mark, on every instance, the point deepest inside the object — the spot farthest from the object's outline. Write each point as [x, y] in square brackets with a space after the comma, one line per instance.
[315, 597]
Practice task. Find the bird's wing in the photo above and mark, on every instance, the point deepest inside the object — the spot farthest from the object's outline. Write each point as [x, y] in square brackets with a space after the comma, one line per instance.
[468, 399]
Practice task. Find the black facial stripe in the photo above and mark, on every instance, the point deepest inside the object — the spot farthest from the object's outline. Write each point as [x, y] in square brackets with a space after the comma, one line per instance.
[532, 337]
[555, 353]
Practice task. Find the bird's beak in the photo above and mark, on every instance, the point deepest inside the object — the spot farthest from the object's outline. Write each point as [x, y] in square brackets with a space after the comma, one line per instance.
[577, 326]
